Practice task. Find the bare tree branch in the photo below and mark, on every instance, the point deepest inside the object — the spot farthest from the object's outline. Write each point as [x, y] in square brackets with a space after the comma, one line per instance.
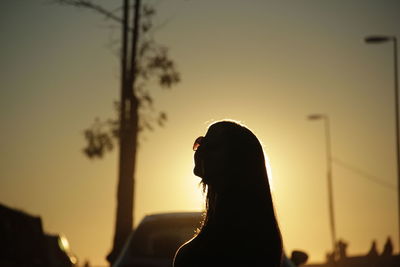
[89, 5]
[153, 64]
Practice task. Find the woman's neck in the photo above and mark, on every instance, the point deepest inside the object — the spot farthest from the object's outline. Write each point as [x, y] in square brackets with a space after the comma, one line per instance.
[229, 207]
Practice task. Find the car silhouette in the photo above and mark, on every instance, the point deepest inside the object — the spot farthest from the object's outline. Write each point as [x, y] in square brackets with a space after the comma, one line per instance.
[158, 237]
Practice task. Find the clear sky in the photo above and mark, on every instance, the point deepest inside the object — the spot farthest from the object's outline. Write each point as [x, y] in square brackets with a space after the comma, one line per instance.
[268, 64]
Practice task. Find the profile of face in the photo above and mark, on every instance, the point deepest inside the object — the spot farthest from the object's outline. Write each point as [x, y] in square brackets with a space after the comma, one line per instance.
[210, 154]
[227, 151]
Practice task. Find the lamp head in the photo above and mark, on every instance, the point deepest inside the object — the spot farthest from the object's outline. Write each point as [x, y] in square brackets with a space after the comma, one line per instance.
[377, 39]
[315, 116]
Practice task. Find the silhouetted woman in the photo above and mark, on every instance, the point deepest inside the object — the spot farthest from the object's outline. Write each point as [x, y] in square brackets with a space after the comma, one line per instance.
[240, 227]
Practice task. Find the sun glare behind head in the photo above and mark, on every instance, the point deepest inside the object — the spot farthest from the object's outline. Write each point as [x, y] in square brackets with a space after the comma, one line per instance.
[269, 173]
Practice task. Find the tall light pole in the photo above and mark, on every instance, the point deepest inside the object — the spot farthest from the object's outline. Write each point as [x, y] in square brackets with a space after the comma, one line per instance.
[329, 175]
[377, 39]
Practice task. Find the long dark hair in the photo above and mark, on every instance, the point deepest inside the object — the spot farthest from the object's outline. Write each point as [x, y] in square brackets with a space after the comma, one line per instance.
[237, 189]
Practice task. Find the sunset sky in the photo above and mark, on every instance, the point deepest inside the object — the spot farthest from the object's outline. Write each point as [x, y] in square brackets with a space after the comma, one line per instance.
[268, 64]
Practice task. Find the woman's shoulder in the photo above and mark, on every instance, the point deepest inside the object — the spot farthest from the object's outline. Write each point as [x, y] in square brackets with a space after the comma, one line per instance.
[183, 254]
[193, 254]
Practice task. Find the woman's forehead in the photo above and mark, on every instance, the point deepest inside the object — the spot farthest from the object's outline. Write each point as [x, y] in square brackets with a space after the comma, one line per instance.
[215, 131]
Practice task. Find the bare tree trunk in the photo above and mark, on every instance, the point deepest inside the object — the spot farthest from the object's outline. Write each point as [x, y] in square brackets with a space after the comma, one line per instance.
[128, 133]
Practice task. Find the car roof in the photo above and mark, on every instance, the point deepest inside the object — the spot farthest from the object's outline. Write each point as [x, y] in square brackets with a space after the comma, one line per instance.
[171, 215]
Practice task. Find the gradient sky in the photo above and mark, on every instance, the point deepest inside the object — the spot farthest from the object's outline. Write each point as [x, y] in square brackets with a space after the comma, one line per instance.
[267, 64]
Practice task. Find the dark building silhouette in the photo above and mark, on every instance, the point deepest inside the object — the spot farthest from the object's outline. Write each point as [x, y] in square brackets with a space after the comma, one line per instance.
[22, 240]
[24, 243]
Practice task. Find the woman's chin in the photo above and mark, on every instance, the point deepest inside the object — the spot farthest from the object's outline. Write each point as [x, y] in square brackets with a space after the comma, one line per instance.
[197, 171]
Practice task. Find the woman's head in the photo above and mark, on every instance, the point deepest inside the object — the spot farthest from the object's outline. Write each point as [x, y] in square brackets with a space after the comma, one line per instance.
[230, 156]
[230, 160]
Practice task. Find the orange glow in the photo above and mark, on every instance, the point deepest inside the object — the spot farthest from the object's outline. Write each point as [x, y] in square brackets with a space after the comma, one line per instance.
[268, 64]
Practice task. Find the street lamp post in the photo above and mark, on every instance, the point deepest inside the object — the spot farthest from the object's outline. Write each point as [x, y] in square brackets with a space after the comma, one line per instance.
[329, 175]
[377, 39]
